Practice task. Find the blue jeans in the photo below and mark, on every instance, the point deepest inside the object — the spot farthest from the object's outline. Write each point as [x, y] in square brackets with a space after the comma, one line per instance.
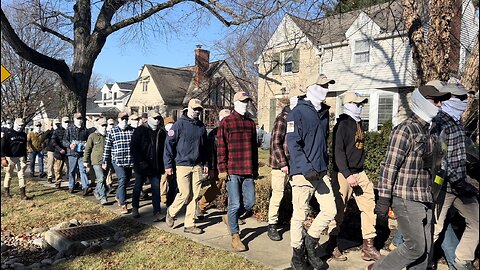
[137, 189]
[241, 198]
[33, 156]
[398, 238]
[449, 245]
[123, 174]
[100, 181]
[74, 164]
[415, 222]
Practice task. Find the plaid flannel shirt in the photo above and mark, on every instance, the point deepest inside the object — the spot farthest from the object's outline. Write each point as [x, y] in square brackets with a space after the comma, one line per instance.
[456, 156]
[117, 147]
[278, 143]
[237, 151]
[402, 174]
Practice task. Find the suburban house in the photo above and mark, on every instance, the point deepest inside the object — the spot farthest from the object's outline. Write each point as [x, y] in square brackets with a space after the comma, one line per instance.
[363, 50]
[169, 89]
[110, 100]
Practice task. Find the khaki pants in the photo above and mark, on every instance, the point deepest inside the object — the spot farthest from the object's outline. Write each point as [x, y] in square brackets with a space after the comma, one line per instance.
[189, 181]
[58, 167]
[50, 162]
[279, 180]
[302, 192]
[365, 199]
[465, 250]
[19, 164]
[165, 181]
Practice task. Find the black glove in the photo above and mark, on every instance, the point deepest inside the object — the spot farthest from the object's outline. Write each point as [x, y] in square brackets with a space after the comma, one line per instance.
[465, 189]
[312, 175]
[381, 207]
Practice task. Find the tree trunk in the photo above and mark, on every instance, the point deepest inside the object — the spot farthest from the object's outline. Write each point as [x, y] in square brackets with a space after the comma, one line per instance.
[470, 79]
[431, 54]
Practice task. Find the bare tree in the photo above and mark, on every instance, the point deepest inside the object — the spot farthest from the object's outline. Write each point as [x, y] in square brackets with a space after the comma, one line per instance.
[30, 85]
[87, 35]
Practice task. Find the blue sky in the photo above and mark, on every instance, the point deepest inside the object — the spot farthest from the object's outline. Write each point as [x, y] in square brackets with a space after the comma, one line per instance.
[119, 62]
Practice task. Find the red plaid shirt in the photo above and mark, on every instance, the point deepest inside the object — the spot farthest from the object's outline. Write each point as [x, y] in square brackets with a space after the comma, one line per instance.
[278, 143]
[237, 145]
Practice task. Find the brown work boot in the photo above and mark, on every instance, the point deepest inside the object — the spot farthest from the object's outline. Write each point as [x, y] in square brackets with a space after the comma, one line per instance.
[369, 252]
[6, 193]
[23, 194]
[237, 244]
[337, 255]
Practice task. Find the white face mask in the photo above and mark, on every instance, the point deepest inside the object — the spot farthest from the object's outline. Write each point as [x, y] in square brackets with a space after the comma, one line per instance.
[65, 125]
[109, 127]
[353, 110]
[78, 122]
[122, 124]
[9, 125]
[17, 128]
[191, 113]
[422, 107]
[168, 126]
[454, 107]
[316, 94]
[153, 123]
[240, 107]
[102, 130]
[55, 127]
[36, 129]
[133, 123]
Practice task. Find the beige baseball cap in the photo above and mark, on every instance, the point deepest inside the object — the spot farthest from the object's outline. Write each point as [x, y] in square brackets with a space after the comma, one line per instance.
[195, 103]
[122, 114]
[153, 113]
[101, 121]
[323, 79]
[352, 97]
[241, 96]
[223, 113]
[65, 119]
[77, 115]
[19, 121]
[456, 89]
[134, 116]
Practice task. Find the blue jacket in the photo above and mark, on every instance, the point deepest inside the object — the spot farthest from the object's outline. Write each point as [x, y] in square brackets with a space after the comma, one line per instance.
[186, 144]
[307, 133]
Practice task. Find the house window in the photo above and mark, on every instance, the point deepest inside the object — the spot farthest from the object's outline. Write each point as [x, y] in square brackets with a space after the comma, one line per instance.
[365, 114]
[104, 96]
[114, 95]
[145, 84]
[134, 109]
[385, 108]
[287, 61]
[361, 54]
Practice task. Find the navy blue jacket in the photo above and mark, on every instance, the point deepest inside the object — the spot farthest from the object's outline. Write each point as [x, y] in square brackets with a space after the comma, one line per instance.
[186, 144]
[307, 133]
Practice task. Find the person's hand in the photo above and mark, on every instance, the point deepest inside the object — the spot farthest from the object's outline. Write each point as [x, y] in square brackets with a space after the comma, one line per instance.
[312, 175]
[352, 181]
[62, 152]
[222, 176]
[381, 207]
[4, 162]
[205, 170]
[72, 146]
[169, 171]
[104, 167]
[284, 169]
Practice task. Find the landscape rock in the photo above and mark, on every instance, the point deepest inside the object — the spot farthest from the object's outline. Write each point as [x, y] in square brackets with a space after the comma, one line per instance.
[92, 249]
[47, 261]
[35, 265]
[18, 266]
[74, 222]
[62, 225]
[75, 249]
[59, 261]
[4, 247]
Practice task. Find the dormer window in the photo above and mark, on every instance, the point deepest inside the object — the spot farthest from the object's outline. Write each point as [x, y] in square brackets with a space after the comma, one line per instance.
[287, 61]
[104, 96]
[361, 53]
[115, 96]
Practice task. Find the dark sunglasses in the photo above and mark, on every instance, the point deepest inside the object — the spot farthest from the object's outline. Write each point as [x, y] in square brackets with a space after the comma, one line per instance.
[104, 125]
[198, 109]
[461, 97]
[158, 118]
[124, 118]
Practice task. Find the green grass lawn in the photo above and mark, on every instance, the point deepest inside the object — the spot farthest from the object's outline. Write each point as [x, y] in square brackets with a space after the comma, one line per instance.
[145, 247]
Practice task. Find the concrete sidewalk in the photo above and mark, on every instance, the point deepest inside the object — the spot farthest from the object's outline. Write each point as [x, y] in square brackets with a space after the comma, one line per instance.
[275, 255]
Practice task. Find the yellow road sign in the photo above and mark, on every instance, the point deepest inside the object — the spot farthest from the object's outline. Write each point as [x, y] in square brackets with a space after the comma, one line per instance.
[5, 74]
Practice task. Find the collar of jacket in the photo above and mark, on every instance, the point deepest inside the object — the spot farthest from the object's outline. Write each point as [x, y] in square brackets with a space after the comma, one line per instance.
[236, 114]
[309, 104]
[424, 124]
[286, 109]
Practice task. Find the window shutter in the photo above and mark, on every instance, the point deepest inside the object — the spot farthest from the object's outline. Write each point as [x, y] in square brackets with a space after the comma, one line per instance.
[296, 61]
[276, 64]
[273, 111]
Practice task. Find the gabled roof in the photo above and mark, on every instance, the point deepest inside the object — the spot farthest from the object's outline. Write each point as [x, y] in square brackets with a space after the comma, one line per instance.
[332, 29]
[130, 85]
[172, 83]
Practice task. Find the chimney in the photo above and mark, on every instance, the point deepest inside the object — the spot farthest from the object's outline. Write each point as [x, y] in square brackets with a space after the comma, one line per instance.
[202, 62]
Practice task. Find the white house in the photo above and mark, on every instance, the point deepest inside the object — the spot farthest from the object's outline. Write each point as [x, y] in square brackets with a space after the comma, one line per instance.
[363, 50]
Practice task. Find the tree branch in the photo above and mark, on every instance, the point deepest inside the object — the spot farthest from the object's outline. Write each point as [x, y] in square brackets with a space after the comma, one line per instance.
[124, 23]
[31, 55]
[53, 32]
